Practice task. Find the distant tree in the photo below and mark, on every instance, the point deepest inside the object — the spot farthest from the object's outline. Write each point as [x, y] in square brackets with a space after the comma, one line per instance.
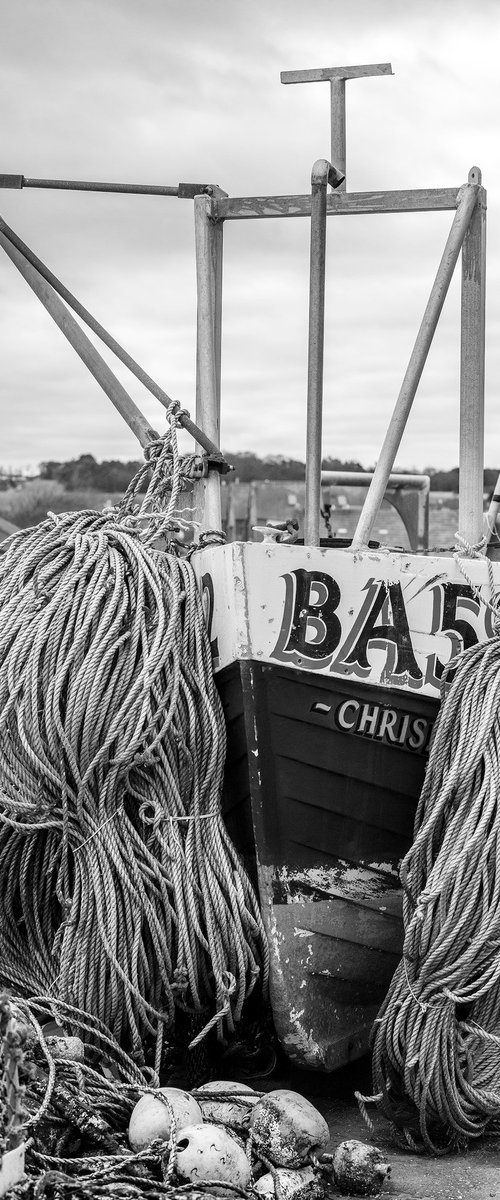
[490, 478]
[49, 470]
[445, 481]
[112, 475]
[77, 473]
[85, 474]
[248, 466]
[336, 464]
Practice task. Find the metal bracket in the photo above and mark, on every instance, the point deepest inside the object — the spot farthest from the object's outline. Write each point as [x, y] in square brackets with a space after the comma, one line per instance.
[201, 464]
[212, 462]
[11, 181]
[187, 191]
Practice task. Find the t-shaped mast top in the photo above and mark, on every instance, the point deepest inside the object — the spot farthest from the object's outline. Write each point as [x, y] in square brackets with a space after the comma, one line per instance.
[337, 77]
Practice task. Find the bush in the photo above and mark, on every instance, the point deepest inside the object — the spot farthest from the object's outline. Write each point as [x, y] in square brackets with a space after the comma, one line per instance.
[27, 505]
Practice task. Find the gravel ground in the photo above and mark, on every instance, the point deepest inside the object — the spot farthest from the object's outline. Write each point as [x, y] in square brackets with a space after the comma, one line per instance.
[474, 1175]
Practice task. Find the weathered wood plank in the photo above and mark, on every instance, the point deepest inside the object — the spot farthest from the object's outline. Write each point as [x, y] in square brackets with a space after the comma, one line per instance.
[340, 921]
[338, 204]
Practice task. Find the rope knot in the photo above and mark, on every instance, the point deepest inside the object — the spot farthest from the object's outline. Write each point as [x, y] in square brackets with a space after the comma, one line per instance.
[478, 551]
[180, 981]
[470, 551]
[155, 448]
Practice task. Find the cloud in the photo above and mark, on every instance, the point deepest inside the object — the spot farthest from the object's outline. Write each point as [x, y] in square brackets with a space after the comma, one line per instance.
[162, 92]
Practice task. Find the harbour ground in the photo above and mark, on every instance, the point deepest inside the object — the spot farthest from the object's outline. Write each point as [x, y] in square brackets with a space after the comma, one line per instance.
[474, 1175]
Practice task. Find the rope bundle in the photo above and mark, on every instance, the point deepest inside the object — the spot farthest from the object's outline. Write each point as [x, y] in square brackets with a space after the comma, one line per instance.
[120, 892]
[436, 1041]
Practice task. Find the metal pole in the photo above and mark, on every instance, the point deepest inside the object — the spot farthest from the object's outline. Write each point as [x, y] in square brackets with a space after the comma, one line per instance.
[83, 346]
[364, 478]
[470, 499]
[208, 242]
[337, 77]
[375, 495]
[185, 191]
[319, 183]
[338, 127]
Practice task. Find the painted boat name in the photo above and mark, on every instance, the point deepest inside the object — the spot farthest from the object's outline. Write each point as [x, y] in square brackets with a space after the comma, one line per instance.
[312, 635]
[378, 722]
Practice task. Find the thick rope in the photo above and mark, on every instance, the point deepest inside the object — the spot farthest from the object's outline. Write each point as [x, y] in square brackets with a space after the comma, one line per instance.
[436, 1043]
[72, 1119]
[120, 891]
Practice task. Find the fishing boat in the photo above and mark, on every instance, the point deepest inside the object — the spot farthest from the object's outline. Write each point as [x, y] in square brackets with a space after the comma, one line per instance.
[329, 664]
[329, 654]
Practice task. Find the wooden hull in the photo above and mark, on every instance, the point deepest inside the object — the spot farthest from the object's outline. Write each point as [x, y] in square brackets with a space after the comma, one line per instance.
[326, 759]
[330, 815]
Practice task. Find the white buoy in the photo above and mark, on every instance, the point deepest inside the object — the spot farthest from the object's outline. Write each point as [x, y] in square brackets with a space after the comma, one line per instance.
[225, 1111]
[207, 1153]
[152, 1119]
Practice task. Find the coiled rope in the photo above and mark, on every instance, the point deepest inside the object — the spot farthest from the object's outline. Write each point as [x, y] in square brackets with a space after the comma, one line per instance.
[436, 1041]
[120, 891]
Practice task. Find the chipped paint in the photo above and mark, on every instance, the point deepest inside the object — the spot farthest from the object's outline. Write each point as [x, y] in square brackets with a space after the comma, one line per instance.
[249, 585]
[344, 878]
[330, 1027]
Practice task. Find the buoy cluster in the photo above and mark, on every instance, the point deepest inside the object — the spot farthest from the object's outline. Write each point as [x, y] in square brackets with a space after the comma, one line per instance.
[228, 1139]
[78, 1124]
[226, 1135]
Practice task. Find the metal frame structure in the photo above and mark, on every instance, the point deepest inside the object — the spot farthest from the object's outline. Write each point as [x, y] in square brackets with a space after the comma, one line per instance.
[212, 208]
[467, 235]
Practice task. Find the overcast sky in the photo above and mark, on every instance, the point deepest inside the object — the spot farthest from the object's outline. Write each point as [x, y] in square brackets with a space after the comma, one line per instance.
[162, 91]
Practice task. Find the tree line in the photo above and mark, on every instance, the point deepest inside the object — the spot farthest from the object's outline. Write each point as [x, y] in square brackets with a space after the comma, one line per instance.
[112, 475]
